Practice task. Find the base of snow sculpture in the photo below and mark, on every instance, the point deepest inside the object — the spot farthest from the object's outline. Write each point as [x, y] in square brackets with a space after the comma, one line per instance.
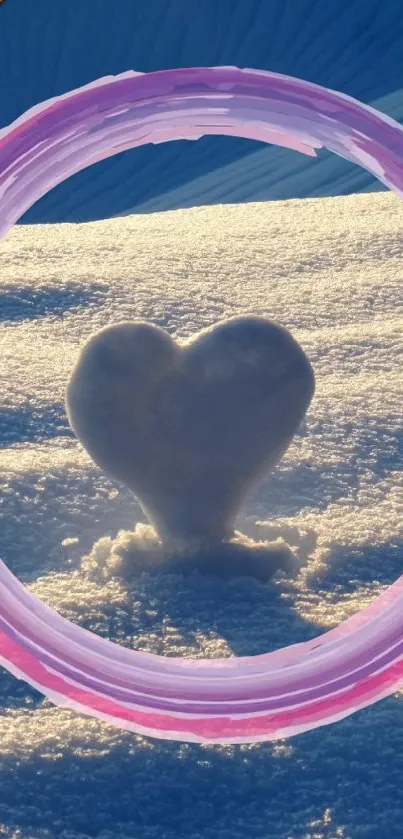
[190, 428]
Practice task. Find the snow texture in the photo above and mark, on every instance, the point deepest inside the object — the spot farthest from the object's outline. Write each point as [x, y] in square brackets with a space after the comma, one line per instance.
[330, 271]
[48, 48]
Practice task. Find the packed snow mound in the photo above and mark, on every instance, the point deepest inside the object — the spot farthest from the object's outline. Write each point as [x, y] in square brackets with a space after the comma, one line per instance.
[133, 553]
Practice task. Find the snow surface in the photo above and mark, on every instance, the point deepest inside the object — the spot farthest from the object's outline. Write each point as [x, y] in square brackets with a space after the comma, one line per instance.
[48, 48]
[329, 270]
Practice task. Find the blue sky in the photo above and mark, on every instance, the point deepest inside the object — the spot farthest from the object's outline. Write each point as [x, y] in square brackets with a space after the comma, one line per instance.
[47, 48]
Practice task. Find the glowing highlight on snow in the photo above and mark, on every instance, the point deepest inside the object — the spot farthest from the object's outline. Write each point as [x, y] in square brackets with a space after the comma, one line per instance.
[236, 700]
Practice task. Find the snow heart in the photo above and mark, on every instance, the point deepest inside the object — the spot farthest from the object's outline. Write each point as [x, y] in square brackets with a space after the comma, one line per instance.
[190, 428]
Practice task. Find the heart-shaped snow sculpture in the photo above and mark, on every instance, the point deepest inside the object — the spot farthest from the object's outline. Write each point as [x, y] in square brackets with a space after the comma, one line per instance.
[190, 428]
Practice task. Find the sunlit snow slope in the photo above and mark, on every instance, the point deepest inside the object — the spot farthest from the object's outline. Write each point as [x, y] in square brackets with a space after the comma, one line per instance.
[48, 48]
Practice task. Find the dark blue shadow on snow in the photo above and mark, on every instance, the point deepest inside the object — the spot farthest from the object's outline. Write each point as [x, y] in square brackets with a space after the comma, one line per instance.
[32, 424]
[29, 303]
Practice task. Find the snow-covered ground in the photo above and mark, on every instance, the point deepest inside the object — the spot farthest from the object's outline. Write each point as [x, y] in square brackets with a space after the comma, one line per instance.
[328, 269]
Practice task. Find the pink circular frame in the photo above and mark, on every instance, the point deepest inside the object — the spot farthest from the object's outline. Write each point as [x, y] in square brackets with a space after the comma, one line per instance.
[237, 700]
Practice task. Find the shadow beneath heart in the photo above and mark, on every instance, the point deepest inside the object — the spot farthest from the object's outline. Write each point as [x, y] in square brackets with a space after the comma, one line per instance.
[243, 615]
